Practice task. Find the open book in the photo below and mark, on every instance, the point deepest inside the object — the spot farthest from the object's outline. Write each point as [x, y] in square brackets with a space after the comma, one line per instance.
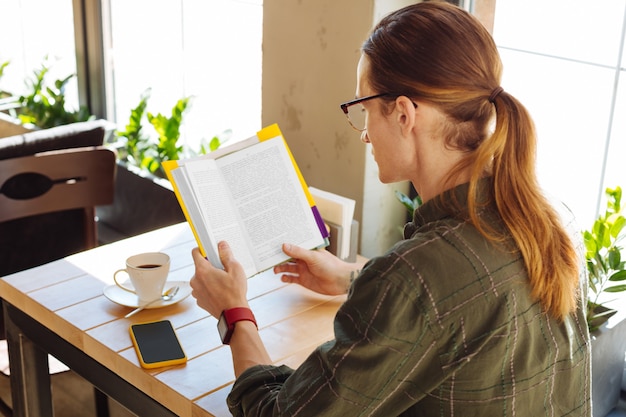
[252, 195]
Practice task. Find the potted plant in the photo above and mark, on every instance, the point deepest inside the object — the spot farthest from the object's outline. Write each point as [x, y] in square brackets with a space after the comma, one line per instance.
[44, 105]
[131, 142]
[143, 201]
[604, 259]
[136, 148]
[168, 131]
[9, 125]
[607, 324]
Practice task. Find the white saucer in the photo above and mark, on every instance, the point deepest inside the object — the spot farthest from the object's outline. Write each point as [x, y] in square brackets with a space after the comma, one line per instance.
[128, 299]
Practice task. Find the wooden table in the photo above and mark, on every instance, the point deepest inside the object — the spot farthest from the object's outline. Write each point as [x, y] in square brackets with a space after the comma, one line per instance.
[59, 308]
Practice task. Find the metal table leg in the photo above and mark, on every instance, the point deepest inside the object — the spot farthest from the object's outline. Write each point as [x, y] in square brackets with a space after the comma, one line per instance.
[30, 378]
[33, 341]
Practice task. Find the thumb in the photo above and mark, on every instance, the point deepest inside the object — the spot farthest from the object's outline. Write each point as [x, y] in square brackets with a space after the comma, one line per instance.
[225, 253]
[294, 251]
[226, 256]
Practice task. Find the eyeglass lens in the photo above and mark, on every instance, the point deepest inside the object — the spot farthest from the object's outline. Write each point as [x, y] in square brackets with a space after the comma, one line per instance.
[356, 114]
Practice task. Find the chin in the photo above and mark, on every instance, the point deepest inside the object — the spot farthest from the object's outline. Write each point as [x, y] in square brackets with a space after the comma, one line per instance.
[386, 180]
[390, 177]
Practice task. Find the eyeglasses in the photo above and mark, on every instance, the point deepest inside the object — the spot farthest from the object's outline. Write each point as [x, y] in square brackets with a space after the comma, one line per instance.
[355, 112]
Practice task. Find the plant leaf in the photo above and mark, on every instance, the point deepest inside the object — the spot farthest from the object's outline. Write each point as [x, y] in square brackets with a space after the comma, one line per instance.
[604, 236]
[618, 276]
[614, 257]
[616, 288]
[214, 144]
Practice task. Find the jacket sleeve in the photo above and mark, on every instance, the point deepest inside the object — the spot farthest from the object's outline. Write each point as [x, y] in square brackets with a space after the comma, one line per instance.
[384, 358]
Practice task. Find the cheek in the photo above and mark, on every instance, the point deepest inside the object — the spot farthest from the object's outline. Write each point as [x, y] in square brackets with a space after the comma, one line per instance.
[395, 163]
[378, 134]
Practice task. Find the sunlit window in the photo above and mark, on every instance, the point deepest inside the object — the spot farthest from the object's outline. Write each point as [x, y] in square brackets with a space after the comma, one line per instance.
[34, 33]
[208, 50]
[564, 60]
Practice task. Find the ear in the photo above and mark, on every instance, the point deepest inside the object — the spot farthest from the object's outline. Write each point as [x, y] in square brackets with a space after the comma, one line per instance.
[405, 114]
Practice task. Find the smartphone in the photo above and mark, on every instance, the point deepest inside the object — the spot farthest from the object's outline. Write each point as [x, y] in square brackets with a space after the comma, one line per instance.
[156, 344]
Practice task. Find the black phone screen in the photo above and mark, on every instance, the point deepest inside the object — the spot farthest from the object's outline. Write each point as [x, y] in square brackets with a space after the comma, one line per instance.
[156, 344]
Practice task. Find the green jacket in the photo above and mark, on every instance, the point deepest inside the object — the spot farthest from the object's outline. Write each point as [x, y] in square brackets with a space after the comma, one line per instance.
[441, 325]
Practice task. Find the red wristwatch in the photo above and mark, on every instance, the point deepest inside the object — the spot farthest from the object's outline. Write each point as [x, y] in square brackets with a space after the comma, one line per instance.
[226, 323]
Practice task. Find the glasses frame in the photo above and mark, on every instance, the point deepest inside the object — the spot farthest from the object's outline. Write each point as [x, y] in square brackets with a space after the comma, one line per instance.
[344, 106]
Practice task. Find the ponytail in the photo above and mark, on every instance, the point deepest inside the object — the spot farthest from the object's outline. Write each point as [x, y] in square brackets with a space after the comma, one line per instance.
[546, 247]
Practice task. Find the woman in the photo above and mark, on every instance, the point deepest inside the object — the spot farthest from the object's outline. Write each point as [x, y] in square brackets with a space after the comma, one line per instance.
[479, 310]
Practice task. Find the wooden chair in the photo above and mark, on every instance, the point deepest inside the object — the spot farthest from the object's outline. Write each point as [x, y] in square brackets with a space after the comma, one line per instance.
[47, 207]
[56, 183]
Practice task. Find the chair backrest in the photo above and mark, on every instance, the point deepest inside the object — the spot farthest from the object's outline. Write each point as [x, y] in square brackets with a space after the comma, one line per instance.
[56, 183]
[80, 178]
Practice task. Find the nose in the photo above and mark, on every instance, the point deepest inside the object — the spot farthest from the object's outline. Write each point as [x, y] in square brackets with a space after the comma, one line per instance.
[364, 137]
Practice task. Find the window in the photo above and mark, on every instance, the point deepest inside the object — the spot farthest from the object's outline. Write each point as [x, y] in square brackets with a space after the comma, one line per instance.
[210, 50]
[32, 30]
[563, 60]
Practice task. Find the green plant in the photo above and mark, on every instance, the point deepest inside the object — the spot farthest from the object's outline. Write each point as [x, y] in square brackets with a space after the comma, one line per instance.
[45, 106]
[3, 65]
[168, 130]
[215, 142]
[137, 148]
[410, 204]
[133, 140]
[604, 258]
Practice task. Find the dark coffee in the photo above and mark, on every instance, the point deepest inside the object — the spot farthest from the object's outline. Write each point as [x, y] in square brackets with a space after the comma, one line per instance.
[148, 266]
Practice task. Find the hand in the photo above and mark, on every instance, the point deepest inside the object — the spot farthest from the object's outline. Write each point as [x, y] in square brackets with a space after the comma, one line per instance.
[317, 270]
[214, 289]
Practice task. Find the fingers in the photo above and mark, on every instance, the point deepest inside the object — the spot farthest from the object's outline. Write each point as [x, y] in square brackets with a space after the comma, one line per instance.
[294, 251]
[289, 267]
[196, 255]
[217, 289]
[225, 253]
[289, 279]
[200, 262]
[231, 265]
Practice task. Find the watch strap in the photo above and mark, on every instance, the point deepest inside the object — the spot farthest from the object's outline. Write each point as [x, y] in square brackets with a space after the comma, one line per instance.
[234, 315]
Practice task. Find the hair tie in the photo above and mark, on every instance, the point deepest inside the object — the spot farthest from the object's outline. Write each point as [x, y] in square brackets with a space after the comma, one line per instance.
[495, 93]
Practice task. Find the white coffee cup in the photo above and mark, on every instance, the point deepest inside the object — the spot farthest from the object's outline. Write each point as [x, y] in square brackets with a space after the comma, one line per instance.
[148, 273]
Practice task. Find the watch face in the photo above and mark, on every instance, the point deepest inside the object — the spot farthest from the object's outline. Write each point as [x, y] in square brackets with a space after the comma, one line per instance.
[226, 323]
[222, 327]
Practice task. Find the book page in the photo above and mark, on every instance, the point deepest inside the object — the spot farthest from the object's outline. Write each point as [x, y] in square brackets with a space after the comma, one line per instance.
[218, 212]
[270, 201]
[193, 214]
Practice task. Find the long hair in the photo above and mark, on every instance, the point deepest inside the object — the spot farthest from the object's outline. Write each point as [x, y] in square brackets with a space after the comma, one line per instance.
[441, 54]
